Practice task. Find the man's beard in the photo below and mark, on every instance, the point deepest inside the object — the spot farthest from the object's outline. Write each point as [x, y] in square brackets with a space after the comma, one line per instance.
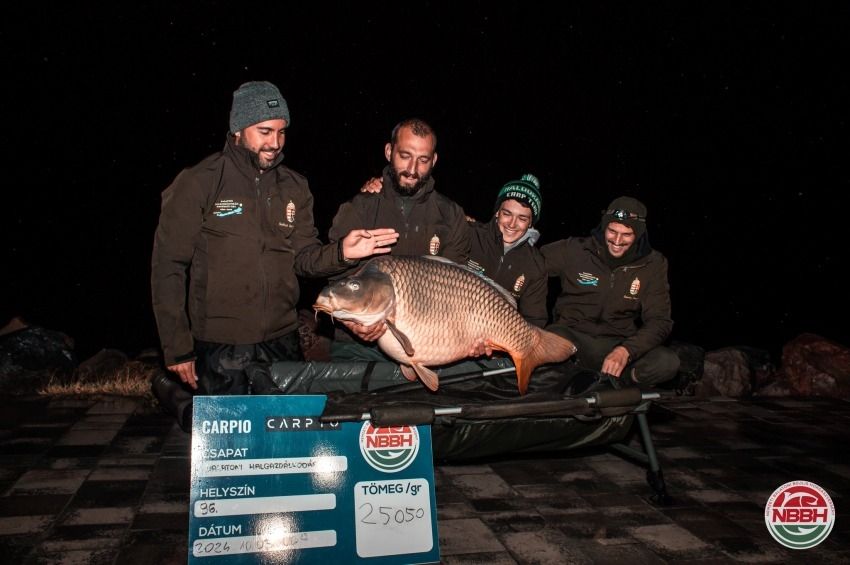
[395, 176]
[261, 162]
[265, 165]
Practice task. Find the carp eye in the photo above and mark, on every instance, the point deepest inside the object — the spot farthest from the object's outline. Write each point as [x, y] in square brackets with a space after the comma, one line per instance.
[354, 285]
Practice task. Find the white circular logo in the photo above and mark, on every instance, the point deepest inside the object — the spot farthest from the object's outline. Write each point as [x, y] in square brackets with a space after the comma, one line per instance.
[391, 449]
[799, 514]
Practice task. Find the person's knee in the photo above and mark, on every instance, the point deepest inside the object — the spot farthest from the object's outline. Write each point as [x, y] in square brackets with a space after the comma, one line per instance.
[673, 362]
[658, 366]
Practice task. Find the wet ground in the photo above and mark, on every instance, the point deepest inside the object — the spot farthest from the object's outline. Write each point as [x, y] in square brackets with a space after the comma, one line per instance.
[106, 480]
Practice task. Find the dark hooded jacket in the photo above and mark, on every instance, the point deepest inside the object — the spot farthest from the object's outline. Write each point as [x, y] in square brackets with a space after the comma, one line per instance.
[241, 237]
[630, 301]
[435, 225]
[521, 270]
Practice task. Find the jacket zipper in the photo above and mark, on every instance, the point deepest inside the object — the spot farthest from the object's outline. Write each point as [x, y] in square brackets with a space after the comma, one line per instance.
[262, 212]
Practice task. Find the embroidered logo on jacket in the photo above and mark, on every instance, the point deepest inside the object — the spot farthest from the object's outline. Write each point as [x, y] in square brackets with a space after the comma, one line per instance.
[587, 279]
[475, 266]
[634, 289]
[288, 216]
[518, 284]
[434, 245]
[227, 208]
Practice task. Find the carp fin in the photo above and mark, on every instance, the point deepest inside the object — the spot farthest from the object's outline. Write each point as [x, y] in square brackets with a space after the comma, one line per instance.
[402, 339]
[523, 374]
[429, 377]
[550, 348]
[408, 372]
[502, 290]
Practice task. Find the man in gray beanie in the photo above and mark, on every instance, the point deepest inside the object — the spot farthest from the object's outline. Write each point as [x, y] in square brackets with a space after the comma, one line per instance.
[238, 228]
[256, 102]
[615, 297]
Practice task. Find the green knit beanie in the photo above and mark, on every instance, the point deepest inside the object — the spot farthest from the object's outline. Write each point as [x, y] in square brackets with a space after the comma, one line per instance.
[526, 191]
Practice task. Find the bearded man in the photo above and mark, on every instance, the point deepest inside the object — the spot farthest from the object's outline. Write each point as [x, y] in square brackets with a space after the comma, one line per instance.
[427, 222]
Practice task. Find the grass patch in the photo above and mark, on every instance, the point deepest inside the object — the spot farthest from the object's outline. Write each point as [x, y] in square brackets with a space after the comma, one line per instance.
[133, 378]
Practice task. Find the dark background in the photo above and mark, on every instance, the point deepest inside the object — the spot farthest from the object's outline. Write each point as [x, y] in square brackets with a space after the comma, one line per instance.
[730, 122]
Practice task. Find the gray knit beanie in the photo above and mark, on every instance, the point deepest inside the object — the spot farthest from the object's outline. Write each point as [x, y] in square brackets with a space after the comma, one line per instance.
[526, 191]
[256, 102]
[627, 211]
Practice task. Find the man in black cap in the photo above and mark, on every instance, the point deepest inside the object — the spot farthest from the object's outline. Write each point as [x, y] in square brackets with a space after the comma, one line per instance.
[239, 227]
[615, 297]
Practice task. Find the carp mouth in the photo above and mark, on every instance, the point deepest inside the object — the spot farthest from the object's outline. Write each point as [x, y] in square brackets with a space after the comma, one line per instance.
[323, 304]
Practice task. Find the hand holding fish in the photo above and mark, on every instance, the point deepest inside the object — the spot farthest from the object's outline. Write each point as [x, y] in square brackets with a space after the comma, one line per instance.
[364, 243]
[480, 349]
[366, 333]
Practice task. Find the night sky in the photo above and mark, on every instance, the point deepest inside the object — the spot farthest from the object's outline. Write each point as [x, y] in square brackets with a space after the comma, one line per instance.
[729, 122]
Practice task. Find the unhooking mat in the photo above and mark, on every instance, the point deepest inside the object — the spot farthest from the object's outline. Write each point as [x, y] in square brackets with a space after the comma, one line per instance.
[358, 387]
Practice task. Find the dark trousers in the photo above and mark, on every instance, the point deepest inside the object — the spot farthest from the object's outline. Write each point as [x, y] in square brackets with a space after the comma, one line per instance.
[221, 367]
[659, 365]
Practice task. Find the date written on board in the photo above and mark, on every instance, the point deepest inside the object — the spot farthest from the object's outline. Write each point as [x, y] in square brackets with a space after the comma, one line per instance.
[263, 543]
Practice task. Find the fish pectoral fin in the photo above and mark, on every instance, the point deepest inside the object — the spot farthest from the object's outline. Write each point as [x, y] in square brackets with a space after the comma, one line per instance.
[408, 372]
[402, 339]
[429, 377]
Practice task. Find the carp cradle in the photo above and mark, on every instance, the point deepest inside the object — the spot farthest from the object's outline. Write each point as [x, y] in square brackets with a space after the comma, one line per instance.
[476, 412]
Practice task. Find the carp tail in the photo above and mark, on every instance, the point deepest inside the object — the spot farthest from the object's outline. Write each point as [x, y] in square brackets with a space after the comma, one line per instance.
[550, 348]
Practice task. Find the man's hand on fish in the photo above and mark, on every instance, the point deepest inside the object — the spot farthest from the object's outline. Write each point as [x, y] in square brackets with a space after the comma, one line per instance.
[481, 348]
[365, 243]
[366, 333]
[186, 372]
[374, 184]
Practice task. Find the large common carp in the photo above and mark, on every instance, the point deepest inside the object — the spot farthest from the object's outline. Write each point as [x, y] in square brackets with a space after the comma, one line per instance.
[436, 311]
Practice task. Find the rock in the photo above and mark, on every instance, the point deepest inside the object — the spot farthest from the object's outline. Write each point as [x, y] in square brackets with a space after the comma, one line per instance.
[27, 350]
[815, 366]
[726, 373]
